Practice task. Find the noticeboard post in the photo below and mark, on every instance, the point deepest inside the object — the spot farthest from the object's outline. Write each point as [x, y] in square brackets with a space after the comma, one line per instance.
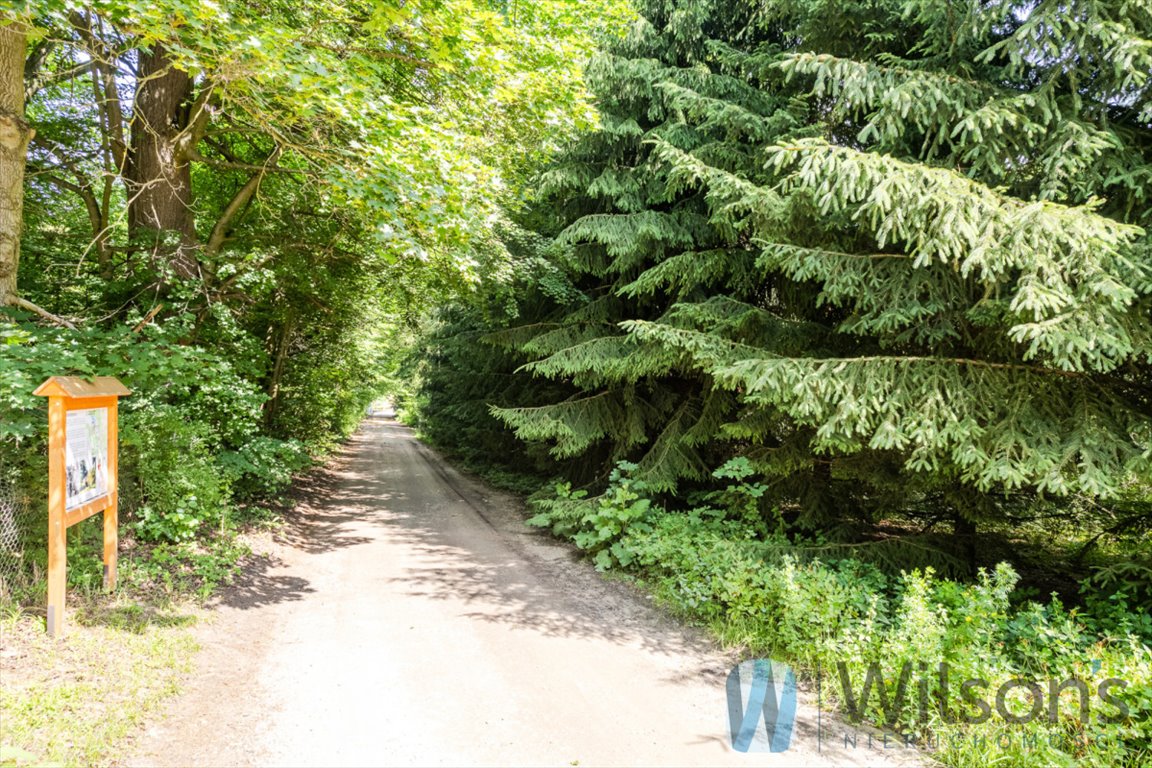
[82, 473]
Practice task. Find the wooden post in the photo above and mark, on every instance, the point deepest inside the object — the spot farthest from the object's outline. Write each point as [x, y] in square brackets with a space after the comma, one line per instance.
[76, 493]
[57, 530]
[111, 512]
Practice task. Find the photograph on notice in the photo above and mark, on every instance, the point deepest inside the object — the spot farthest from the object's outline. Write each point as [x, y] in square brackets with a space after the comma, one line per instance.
[86, 456]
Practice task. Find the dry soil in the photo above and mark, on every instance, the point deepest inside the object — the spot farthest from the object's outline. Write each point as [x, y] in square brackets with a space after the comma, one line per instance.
[409, 617]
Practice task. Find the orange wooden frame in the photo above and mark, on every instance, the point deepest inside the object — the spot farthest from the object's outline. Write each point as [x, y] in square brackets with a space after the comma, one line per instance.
[67, 394]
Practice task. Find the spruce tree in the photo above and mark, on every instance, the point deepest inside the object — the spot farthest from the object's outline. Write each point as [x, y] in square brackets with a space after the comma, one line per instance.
[635, 245]
[895, 253]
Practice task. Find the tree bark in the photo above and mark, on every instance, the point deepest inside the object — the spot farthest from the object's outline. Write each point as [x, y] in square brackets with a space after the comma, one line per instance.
[964, 533]
[15, 133]
[160, 175]
[272, 404]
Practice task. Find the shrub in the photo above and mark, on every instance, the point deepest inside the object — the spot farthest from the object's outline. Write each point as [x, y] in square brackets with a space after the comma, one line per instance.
[263, 467]
[170, 473]
[725, 563]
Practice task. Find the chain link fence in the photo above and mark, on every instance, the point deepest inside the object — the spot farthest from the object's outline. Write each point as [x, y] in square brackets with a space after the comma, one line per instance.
[18, 540]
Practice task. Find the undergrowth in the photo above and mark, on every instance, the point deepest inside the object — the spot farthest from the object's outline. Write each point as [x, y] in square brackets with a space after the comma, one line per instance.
[975, 671]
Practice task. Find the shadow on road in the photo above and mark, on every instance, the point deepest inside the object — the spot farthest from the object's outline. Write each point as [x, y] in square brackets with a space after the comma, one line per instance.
[333, 498]
[478, 549]
[470, 549]
[256, 587]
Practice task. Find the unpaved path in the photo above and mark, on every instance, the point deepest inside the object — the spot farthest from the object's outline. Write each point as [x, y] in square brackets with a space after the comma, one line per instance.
[410, 618]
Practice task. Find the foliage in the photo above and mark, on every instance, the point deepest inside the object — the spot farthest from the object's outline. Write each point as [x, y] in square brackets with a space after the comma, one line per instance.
[392, 118]
[266, 466]
[899, 263]
[459, 366]
[597, 526]
[175, 477]
[846, 617]
[1116, 593]
[189, 568]
[190, 433]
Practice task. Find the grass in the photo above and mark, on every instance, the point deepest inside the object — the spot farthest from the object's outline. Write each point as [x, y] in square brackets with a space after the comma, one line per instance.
[79, 699]
[74, 700]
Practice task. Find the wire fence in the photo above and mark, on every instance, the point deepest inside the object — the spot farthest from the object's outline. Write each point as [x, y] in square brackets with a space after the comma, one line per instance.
[18, 524]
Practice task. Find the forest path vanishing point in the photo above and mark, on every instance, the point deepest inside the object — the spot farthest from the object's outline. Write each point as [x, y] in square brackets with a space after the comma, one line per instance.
[411, 618]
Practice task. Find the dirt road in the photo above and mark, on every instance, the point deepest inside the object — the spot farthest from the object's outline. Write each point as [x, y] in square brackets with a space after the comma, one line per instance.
[410, 618]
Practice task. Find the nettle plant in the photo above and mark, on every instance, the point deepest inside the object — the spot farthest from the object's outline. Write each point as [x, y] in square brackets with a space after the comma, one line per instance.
[599, 526]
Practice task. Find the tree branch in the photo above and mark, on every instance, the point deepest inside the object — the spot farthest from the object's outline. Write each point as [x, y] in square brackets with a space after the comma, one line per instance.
[241, 272]
[36, 58]
[374, 53]
[16, 301]
[238, 166]
[238, 201]
[148, 317]
[84, 192]
[199, 114]
[108, 100]
[39, 82]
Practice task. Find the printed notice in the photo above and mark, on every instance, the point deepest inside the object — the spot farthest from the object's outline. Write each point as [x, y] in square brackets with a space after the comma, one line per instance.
[86, 456]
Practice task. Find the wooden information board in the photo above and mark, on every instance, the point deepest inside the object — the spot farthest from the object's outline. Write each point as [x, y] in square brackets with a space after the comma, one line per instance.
[82, 473]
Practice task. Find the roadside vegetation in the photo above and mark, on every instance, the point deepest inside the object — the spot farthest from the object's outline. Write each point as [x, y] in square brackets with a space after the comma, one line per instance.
[829, 322]
[74, 701]
[837, 334]
[238, 210]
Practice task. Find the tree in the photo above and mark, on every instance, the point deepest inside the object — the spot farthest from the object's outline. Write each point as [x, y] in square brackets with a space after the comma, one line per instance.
[893, 253]
[458, 368]
[167, 126]
[979, 227]
[271, 175]
[15, 134]
[618, 218]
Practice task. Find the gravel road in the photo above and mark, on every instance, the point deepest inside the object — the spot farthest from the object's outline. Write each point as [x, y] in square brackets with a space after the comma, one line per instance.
[408, 617]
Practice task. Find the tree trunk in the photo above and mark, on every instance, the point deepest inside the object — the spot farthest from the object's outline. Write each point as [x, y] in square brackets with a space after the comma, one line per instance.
[272, 404]
[160, 179]
[964, 532]
[15, 133]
